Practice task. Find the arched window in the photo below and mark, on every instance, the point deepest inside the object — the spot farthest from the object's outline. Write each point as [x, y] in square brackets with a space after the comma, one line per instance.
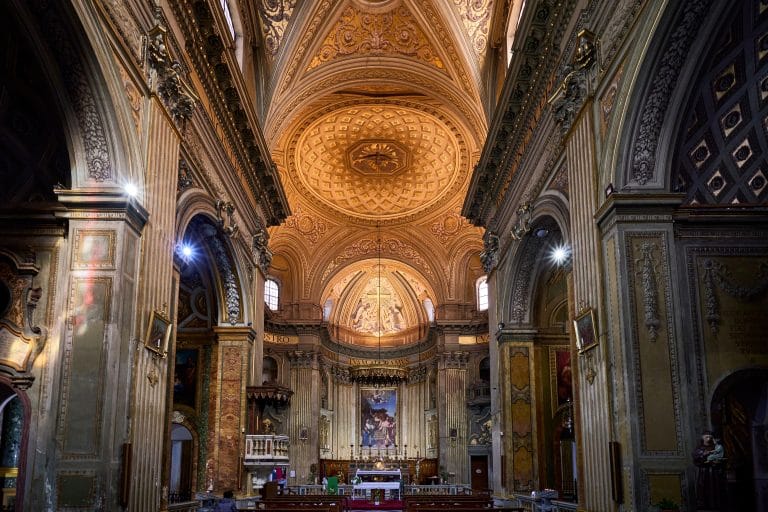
[481, 288]
[271, 294]
[228, 16]
[515, 15]
[269, 370]
[429, 307]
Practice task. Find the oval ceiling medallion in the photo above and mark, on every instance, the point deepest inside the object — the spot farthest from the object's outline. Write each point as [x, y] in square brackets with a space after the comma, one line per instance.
[377, 161]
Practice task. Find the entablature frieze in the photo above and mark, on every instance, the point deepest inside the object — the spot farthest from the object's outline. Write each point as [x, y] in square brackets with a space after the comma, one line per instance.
[516, 335]
[628, 208]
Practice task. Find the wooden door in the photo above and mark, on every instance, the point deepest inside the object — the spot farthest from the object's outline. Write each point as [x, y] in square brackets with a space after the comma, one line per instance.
[479, 465]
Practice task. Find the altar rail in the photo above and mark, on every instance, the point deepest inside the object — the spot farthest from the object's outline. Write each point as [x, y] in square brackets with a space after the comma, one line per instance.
[531, 504]
[346, 489]
[265, 447]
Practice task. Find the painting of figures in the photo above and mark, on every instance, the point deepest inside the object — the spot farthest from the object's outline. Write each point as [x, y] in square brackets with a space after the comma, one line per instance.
[378, 421]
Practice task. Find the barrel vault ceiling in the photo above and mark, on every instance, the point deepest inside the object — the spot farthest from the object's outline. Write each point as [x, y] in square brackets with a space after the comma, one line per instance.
[375, 122]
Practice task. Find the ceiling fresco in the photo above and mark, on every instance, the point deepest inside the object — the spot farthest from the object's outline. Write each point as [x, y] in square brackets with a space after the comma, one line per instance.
[376, 120]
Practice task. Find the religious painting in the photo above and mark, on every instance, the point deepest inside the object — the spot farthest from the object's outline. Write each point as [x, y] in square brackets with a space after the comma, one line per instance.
[584, 326]
[560, 376]
[378, 417]
[185, 377]
[158, 332]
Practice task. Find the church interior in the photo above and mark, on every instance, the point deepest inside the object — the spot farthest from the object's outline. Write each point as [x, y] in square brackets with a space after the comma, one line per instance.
[509, 248]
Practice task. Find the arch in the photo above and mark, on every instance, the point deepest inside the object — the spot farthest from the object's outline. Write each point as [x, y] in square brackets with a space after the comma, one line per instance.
[526, 266]
[227, 273]
[654, 103]
[739, 416]
[183, 430]
[95, 124]
[7, 393]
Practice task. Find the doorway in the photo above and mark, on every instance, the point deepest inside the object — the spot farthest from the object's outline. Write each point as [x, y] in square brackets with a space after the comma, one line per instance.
[479, 466]
[181, 464]
[740, 417]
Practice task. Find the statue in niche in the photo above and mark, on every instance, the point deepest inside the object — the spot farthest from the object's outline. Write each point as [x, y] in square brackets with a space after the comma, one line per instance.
[432, 432]
[323, 429]
[709, 458]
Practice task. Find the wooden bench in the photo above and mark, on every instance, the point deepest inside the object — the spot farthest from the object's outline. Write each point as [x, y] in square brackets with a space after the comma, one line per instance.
[329, 502]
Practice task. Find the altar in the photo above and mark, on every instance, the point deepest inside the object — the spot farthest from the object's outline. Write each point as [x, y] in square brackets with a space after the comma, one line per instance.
[390, 480]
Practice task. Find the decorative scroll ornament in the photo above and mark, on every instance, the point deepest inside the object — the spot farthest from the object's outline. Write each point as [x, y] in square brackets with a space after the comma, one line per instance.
[523, 225]
[667, 74]
[378, 374]
[589, 371]
[718, 277]
[20, 340]
[223, 263]
[269, 394]
[184, 180]
[489, 256]
[302, 358]
[261, 250]
[570, 95]
[650, 289]
[176, 94]
[228, 225]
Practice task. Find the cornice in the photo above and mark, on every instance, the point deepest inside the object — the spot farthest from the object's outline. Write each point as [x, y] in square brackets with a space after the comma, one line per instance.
[521, 105]
[229, 100]
[102, 204]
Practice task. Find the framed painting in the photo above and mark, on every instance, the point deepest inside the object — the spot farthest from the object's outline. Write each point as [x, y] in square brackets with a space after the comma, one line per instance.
[585, 328]
[560, 376]
[378, 421]
[185, 377]
[158, 333]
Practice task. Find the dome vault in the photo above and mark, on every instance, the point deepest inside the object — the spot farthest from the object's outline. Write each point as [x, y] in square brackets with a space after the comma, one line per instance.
[375, 122]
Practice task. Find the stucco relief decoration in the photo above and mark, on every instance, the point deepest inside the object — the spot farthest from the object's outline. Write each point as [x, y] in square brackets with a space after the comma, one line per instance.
[489, 256]
[228, 278]
[275, 15]
[379, 310]
[176, 94]
[134, 98]
[608, 99]
[261, 250]
[20, 340]
[184, 180]
[476, 17]
[647, 274]
[449, 227]
[368, 246]
[665, 80]
[119, 12]
[717, 277]
[94, 137]
[570, 95]
[413, 153]
[560, 180]
[360, 34]
[312, 228]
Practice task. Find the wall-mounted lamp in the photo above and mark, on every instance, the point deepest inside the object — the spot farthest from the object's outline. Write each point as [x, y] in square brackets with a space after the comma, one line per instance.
[454, 435]
[303, 434]
[501, 325]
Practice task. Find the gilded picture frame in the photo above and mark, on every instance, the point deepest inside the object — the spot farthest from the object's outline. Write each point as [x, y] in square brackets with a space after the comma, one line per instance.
[585, 330]
[158, 333]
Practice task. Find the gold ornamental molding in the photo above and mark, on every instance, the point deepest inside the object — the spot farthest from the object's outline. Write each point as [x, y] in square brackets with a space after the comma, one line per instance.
[357, 33]
[378, 375]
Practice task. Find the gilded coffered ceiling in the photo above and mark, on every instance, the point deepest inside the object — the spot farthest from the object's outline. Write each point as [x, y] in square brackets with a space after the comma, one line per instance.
[375, 122]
